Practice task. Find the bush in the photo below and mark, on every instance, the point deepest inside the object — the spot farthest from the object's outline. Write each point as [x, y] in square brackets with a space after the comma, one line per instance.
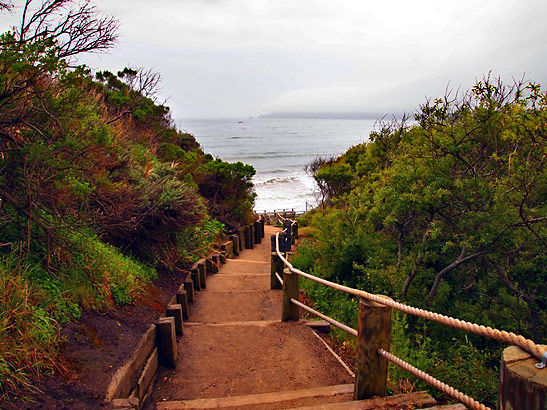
[447, 214]
[29, 337]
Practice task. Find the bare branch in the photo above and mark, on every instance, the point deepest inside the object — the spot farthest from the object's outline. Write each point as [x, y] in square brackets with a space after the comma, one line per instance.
[6, 5]
[145, 82]
[75, 26]
[461, 259]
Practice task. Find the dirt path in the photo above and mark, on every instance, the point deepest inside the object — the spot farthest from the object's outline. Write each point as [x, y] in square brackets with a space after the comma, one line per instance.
[234, 343]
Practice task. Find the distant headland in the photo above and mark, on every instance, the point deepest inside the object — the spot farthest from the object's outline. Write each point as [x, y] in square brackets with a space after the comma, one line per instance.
[326, 115]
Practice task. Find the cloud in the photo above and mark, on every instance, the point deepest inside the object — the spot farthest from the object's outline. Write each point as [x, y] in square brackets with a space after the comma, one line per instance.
[247, 57]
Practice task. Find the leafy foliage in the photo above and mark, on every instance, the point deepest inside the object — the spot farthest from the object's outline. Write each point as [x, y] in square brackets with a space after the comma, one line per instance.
[450, 214]
[98, 188]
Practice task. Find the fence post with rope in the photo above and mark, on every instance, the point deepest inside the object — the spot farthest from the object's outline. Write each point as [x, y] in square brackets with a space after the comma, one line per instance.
[523, 383]
[374, 334]
[277, 267]
[290, 311]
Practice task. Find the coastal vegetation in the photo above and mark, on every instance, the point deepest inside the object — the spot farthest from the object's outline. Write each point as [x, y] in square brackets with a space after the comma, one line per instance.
[447, 213]
[99, 191]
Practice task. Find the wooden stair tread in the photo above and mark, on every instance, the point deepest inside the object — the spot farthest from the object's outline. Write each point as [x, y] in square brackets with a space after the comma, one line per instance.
[276, 400]
[420, 399]
[234, 402]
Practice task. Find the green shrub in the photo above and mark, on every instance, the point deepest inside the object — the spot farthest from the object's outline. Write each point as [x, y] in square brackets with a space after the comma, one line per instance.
[29, 337]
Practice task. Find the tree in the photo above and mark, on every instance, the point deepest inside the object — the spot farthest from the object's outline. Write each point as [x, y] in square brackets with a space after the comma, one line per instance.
[72, 27]
[451, 212]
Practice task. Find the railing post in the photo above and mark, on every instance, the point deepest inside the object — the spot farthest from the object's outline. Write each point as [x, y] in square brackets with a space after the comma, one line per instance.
[277, 265]
[374, 334]
[522, 386]
[290, 311]
[295, 229]
[287, 237]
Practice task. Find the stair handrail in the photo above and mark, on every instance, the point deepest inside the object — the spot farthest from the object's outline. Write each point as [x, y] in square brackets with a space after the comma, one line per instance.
[503, 336]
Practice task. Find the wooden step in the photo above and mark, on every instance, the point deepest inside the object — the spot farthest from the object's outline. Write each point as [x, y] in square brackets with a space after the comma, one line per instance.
[410, 400]
[320, 398]
[277, 400]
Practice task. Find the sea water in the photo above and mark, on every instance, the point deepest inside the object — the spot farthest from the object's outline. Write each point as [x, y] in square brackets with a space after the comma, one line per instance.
[279, 149]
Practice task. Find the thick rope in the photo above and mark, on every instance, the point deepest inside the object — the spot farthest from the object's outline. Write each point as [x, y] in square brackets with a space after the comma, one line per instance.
[328, 319]
[500, 335]
[445, 388]
[279, 278]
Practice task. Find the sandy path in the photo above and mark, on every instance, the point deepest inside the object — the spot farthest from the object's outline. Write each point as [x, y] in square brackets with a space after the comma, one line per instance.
[234, 343]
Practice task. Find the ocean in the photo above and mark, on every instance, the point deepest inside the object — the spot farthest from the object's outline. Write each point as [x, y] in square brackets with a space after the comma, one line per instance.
[279, 149]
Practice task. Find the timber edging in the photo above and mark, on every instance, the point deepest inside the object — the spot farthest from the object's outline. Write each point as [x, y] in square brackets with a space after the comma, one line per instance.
[133, 383]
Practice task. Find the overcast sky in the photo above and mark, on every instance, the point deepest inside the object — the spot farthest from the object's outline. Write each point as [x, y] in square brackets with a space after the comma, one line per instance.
[226, 58]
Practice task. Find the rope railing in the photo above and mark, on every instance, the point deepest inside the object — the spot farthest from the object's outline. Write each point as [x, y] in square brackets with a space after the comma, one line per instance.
[280, 217]
[500, 335]
[445, 388]
[279, 278]
[503, 336]
[333, 322]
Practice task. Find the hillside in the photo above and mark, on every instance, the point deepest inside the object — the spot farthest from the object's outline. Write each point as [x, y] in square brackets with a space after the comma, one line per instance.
[449, 214]
[100, 194]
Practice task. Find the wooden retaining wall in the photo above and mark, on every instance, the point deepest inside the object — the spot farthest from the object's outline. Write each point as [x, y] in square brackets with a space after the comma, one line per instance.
[132, 384]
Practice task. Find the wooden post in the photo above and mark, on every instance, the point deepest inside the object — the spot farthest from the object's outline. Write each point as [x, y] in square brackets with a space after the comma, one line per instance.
[290, 311]
[295, 229]
[209, 265]
[241, 234]
[182, 300]
[285, 240]
[189, 288]
[194, 272]
[262, 223]
[277, 265]
[216, 262]
[167, 342]
[222, 257]
[235, 240]
[273, 242]
[256, 230]
[247, 237]
[523, 386]
[202, 274]
[374, 334]
[175, 311]
[289, 256]
[251, 236]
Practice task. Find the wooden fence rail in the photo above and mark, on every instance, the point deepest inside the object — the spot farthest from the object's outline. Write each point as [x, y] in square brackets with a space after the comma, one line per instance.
[523, 384]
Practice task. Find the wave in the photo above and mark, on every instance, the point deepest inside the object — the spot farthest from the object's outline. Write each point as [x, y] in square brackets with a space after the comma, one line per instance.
[278, 180]
[274, 154]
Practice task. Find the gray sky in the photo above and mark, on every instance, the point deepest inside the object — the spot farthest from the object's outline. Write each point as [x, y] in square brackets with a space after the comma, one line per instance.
[221, 58]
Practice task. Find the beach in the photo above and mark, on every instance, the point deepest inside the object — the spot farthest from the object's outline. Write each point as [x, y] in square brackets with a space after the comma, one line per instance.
[279, 149]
